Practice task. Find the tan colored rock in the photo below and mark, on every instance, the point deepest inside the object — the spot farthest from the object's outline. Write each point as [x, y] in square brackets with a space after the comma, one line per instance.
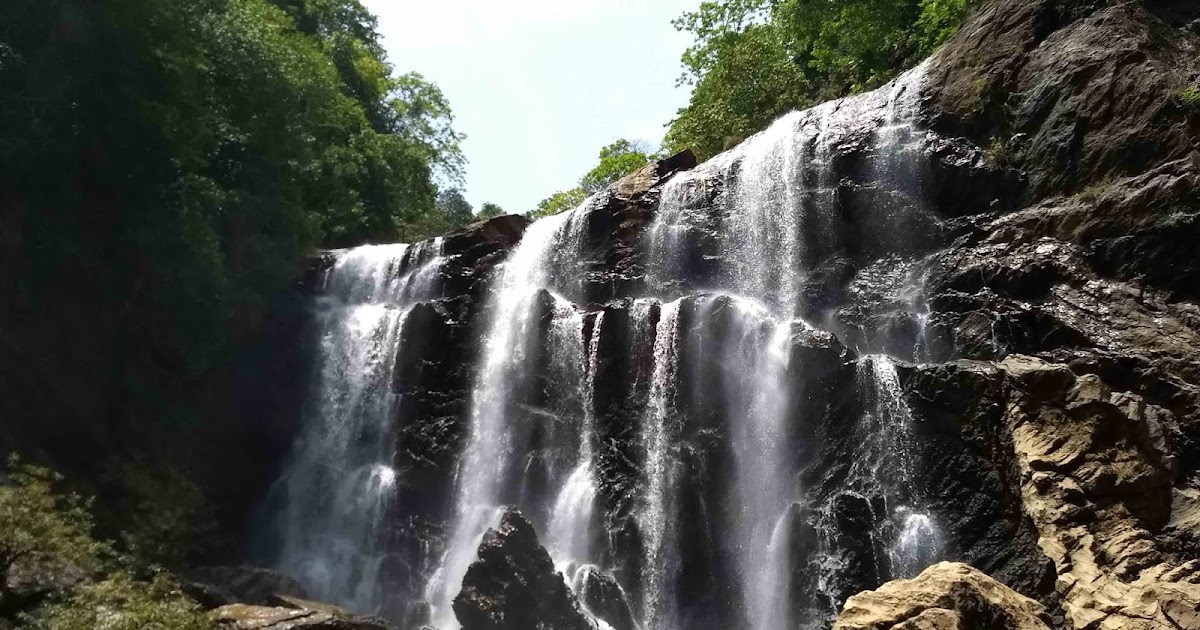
[1096, 480]
[247, 617]
[945, 596]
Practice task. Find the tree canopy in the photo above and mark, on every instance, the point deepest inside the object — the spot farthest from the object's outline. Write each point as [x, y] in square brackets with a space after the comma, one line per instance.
[754, 60]
[166, 167]
[616, 160]
[489, 210]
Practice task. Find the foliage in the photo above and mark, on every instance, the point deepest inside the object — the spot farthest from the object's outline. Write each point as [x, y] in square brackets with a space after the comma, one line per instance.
[489, 210]
[166, 166]
[122, 603]
[997, 152]
[452, 205]
[560, 201]
[1189, 99]
[42, 532]
[164, 513]
[616, 161]
[754, 60]
[45, 534]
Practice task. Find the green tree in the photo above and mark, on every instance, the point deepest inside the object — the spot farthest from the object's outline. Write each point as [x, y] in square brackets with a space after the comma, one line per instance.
[120, 602]
[42, 532]
[455, 208]
[617, 160]
[754, 60]
[167, 166]
[558, 202]
[489, 210]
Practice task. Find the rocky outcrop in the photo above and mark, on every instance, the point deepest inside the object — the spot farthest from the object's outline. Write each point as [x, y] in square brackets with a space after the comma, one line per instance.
[245, 584]
[946, 596]
[1068, 473]
[604, 598]
[1097, 467]
[513, 585]
[293, 615]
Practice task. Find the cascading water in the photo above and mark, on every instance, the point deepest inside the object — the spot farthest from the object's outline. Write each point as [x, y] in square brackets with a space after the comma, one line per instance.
[776, 217]
[734, 259]
[656, 519]
[503, 387]
[338, 488]
[755, 362]
[917, 542]
[570, 532]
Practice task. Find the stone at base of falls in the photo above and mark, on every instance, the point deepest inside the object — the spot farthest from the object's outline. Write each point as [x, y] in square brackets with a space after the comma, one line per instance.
[243, 584]
[293, 615]
[945, 596]
[603, 597]
[513, 584]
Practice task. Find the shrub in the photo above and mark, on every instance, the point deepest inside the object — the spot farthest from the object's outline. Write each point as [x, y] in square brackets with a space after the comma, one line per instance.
[997, 152]
[1189, 99]
[42, 533]
[122, 603]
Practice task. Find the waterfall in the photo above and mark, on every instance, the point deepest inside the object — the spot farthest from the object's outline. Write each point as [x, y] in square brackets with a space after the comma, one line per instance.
[569, 538]
[503, 382]
[735, 345]
[755, 360]
[917, 542]
[338, 488]
[656, 520]
[775, 196]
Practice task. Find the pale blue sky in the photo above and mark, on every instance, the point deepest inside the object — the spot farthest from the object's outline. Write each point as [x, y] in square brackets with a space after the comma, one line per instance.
[539, 86]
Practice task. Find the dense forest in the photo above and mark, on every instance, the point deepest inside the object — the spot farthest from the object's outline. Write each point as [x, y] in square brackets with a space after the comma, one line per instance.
[166, 165]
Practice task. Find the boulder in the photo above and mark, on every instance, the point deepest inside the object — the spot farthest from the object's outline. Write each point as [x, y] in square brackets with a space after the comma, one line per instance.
[513, 584]
[946, 596]
[292, 617]
[244, 584]
[603, 597]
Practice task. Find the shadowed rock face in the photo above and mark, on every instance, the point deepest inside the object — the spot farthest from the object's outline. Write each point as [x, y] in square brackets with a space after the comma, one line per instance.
[1037, 283]
[513, 585]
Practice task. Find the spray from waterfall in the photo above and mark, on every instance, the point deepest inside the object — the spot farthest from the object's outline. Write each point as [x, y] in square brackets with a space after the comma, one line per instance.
[338, 488]
[569, 537]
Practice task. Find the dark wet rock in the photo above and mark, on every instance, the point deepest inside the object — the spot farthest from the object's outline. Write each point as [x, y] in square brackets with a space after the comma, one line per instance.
[513, 584]
[1071, 92]
[971, 477]
[646, 178]
[247, 584]
[604, 598]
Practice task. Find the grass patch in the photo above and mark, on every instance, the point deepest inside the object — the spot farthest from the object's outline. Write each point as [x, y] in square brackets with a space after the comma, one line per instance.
[997, 152]
[1189, 99]
[1095, 191]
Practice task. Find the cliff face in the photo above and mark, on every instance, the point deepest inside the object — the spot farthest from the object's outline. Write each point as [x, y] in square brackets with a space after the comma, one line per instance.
[982, 345]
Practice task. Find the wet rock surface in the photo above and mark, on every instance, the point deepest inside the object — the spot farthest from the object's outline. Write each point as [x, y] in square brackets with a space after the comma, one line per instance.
[246, 584]
[513, 585]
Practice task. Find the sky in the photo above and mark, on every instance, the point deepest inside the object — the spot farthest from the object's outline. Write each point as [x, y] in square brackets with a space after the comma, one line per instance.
[539, 86]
